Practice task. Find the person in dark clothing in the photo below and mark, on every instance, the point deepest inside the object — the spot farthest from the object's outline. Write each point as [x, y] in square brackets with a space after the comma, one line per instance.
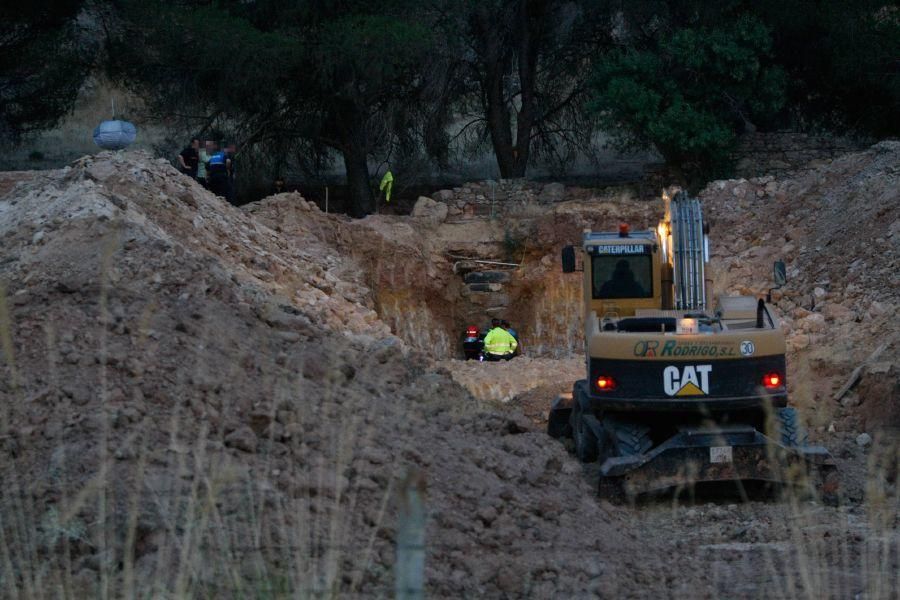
[217, 173]
[279, 187]
[622, 284]
[189, 158]
[205, 152]
[505, 325]
[230, 151]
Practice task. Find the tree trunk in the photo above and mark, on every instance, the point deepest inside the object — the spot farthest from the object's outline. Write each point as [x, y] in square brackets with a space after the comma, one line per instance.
[362, 199]
[512, 155]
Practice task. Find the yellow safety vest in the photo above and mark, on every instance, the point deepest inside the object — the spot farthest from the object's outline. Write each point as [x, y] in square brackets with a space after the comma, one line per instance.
[387, 184]
[500, 342]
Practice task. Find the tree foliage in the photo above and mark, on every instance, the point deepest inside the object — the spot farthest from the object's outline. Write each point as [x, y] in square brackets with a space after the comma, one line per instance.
[43, 62]
[293, 78]
[842, 61]
[688, 91]
[305, 82]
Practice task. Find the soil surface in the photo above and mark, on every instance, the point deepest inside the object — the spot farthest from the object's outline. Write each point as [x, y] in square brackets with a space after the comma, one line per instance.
[200, 400]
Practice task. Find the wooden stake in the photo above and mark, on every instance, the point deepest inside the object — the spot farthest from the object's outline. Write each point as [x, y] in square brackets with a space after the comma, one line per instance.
[857, 372]
[409, 575]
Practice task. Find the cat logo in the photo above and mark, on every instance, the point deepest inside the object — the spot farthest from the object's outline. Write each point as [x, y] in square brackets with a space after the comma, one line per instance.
[692, 381]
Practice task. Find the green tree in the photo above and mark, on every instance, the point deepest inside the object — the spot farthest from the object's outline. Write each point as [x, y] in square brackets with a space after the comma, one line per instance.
[44, 59]
[297, 78]
[688, 89]
[842, 61]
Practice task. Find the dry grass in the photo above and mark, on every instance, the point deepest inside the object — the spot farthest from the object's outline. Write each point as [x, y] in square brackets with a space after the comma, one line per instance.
[228, 527]
[217, 525]
[813, 549]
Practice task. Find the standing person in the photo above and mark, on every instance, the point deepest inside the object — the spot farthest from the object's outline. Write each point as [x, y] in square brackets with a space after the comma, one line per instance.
[190, 158]
[205, 147]
[217, 173]
[498, 343]
[279, 187]
[230, 151]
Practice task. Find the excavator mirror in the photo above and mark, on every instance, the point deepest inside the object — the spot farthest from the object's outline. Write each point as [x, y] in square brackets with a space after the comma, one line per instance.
[568, 259]
[779, 273]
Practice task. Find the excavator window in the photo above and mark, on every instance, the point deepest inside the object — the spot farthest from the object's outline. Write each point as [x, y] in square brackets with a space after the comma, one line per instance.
[618, 276]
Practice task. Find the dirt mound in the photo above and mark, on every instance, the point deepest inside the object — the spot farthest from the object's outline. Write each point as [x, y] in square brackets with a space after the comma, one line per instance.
[837, 226]
[196, 404]
[389, 264]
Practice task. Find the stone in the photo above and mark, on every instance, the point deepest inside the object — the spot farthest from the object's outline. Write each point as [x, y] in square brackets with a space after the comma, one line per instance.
[876, 309]
[837, 312]
[552, 192]
[487, 277]
[242, 438]
[850, 400]
[426, 208]
[863, 440]
[38, 237]
[487, 515]
[484, 287]
[880, 368]
[101, 170]
[492, 299]
[444, 195]
[799, 342]
[21, 298]
[814, 323]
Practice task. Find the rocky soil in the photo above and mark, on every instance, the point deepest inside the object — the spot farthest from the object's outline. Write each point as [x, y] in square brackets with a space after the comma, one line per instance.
[200, 400]
[837, 227]
[193, 404]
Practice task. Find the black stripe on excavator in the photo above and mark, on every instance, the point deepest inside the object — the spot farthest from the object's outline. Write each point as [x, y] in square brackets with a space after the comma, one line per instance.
[687, 380]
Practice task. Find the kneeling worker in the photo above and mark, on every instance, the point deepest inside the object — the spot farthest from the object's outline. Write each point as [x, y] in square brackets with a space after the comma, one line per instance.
[499, 344]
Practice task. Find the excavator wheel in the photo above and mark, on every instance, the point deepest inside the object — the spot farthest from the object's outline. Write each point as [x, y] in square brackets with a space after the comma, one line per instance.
[791, 432]
[586, 443]
[627, 438]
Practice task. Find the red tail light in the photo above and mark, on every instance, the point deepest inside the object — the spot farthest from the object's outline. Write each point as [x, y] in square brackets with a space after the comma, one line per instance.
[605, 383]
[471, 331]
[773, 380]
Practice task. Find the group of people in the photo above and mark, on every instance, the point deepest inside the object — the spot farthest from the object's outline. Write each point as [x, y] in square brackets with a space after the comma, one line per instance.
[212, 165]
[501, 341]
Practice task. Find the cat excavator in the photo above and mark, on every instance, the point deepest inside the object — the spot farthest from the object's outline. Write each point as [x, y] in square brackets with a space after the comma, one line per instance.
[680, 388]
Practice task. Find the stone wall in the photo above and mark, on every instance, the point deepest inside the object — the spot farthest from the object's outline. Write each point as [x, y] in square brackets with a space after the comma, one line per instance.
[496, 198]
[778, 152]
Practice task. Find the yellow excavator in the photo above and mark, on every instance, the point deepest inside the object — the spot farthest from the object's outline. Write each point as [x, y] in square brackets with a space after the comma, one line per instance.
[680, 388]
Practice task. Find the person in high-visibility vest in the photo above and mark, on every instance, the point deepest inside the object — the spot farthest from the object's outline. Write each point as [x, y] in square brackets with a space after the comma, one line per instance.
[505, 325]
[499, 344]
[387, 184]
